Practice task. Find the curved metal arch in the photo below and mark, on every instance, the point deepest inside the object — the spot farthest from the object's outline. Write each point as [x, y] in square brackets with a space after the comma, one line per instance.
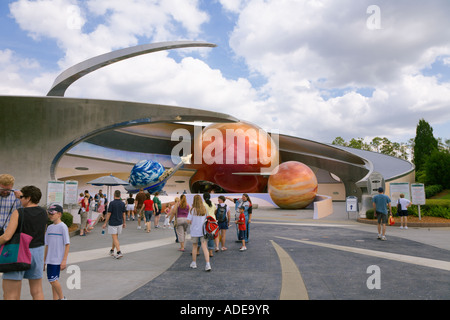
[69, 76]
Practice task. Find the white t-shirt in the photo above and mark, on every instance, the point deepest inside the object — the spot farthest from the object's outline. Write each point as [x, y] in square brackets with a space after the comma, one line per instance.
[56, 238]
[404, 202]
[196, 224]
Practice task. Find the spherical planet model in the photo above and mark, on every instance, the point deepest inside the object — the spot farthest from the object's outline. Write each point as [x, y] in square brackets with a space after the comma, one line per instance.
[293, 186]
[232, 155]
[145, 172]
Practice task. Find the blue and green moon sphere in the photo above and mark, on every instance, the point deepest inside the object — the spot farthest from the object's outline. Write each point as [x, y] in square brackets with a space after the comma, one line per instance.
[145, 172]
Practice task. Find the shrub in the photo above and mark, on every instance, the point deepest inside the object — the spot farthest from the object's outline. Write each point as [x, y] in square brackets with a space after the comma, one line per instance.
[370, 214]
[439, 208]
[432, 190]
[66, 217]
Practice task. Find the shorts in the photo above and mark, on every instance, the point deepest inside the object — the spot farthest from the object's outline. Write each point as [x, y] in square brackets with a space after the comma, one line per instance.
[157, 212]
[382, 218]
[148, 215]
[241, 235]
[403, 213]
[130, 207]
[37, 267]
[198, 240]
[223, 225]
[115, 229]
[53, 271]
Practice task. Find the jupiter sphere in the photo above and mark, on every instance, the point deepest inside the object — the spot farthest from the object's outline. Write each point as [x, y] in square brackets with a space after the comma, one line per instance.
[293, 186]
[232, 157]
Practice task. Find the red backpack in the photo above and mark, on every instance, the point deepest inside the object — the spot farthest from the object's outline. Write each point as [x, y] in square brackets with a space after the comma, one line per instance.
[210, 228]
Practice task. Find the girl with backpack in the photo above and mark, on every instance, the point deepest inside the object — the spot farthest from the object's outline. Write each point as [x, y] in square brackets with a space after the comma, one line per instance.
[210, 211]
[223, 219]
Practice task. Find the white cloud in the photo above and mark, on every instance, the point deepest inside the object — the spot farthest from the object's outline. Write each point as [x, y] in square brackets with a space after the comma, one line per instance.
[315, 55]
[305, 47]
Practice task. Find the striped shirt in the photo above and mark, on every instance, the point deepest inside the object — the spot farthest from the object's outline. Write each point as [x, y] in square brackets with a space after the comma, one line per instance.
[7, 206]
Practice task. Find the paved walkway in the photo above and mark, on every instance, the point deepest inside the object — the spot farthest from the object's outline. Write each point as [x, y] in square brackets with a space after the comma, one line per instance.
[289, 256]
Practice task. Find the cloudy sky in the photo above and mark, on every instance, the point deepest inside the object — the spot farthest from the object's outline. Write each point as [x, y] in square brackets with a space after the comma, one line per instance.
[316, 69]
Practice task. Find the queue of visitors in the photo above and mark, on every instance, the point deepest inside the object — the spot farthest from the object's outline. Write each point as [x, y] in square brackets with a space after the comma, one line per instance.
[20, 213]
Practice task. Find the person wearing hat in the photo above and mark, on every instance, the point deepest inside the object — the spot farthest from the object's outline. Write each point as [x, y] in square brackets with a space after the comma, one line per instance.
[57, 243]
[381, 204]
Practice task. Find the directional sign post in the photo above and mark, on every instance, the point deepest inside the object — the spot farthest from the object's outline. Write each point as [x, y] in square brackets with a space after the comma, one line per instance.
[418, 195]
[352, 205]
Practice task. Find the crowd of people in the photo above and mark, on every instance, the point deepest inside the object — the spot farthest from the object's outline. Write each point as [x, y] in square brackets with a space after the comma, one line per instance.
[179, 216]
[20, 213]
[49, 247]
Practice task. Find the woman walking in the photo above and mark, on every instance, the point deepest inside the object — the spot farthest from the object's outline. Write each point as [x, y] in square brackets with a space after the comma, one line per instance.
[196, 218]
[33, 220]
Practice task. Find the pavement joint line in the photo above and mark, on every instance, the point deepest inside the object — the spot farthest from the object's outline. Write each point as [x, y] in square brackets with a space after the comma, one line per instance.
[87, 255]
[292, 285]
[430, 263]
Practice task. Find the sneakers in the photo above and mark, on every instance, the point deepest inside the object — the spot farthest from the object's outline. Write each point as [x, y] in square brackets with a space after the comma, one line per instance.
[380, 237]
[193, 265]
[243, 249]
[116, 256]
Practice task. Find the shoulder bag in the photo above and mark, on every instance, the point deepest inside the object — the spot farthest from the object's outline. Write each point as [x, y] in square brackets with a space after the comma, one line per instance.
[15, 254]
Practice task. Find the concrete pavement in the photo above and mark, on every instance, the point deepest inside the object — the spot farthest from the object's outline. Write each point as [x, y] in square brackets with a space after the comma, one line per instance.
[289, 256]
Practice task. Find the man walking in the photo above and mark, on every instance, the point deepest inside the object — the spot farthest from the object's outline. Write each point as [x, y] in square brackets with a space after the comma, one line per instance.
[115, 218]
[381, 203]
[139, 207]
[9, 199]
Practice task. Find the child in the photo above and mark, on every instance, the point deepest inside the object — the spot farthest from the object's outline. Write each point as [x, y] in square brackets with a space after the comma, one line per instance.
[57, 243]
[241, 226]
[167, 218]
[196, 218]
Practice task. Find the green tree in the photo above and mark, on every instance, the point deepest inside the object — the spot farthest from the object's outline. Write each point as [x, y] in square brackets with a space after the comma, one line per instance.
[358, 144]
[437, 169]
[339, 141]
[376, 144]
[424, 144]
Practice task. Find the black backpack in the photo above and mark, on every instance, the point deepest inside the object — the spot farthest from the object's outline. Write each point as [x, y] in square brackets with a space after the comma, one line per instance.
[221, 213]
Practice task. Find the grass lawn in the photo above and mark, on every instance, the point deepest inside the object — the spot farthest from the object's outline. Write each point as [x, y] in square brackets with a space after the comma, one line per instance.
[442, 195]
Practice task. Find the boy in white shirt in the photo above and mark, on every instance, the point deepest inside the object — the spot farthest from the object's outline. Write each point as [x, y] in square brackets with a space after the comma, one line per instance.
[57, 243]
[403, 212]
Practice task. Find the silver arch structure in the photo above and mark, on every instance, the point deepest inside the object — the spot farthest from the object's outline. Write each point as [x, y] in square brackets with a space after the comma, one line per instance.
[38, 131]
[69, 76]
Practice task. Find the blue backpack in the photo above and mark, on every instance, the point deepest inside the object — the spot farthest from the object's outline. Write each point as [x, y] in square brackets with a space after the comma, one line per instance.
[221, 213]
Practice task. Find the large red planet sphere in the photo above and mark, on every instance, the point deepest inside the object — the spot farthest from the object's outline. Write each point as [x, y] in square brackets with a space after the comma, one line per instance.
[229, 157]
[293, 186]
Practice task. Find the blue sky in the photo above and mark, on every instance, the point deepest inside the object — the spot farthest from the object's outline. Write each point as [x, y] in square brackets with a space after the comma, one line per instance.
[316, 69]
